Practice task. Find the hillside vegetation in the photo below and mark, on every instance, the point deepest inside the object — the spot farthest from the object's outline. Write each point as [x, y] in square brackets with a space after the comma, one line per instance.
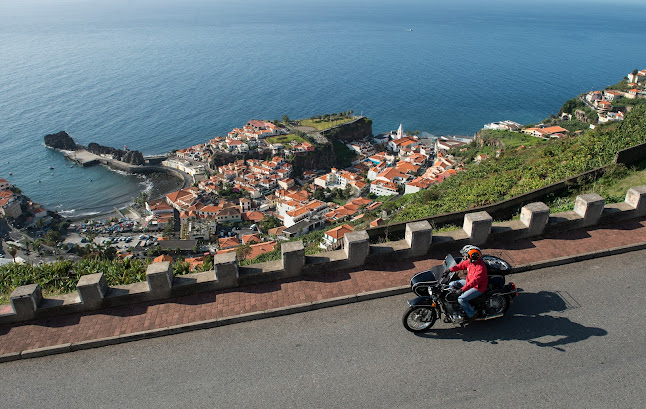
[525, 164]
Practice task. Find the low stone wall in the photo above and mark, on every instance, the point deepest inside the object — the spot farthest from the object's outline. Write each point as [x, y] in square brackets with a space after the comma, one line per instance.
[478, 228]
[631, 155]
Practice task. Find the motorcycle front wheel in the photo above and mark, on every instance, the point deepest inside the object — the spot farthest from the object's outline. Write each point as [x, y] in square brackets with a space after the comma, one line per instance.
[419, 319]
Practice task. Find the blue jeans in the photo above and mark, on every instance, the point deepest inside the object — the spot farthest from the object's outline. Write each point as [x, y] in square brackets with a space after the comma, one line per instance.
[465, 297]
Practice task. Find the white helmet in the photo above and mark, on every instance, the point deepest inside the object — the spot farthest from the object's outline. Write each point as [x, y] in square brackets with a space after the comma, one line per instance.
[471, 252]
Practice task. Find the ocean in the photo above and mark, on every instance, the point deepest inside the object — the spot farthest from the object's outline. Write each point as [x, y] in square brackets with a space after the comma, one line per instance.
[161, 75]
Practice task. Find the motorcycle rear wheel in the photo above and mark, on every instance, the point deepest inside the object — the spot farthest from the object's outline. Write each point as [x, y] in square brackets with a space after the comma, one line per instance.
[497, 304]
[419, 319]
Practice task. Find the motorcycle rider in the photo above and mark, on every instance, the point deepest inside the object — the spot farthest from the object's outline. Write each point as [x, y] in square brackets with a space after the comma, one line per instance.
[476, 281]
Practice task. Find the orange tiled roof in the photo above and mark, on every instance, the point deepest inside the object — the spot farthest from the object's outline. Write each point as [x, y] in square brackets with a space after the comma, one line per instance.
[339, 232]
[161, 258]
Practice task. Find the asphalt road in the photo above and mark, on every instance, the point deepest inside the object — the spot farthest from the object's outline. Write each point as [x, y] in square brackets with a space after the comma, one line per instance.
[574, 338]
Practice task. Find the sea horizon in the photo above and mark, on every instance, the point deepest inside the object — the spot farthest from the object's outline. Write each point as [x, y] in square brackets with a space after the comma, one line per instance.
[164, 75]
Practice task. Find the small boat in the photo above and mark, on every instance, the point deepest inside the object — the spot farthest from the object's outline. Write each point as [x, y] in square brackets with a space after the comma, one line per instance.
[38, 180]
[410, 29]
[10, 173]
[51, 168]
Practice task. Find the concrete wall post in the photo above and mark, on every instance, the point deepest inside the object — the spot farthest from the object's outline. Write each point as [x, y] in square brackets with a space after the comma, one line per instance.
[590, 207]
[535, 216]
[418, 237]
[25, 300]
[356, 245]
[293, 257]
[160, 278]
[636, 198]
[478, 226]
[92, 289]
[226, 269]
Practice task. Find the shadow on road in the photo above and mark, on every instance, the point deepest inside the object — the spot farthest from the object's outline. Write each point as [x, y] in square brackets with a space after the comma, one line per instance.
[529, 320]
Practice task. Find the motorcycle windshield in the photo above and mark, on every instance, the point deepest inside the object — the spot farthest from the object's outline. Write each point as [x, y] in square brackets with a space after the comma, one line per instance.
[438, 271]
[449, 261]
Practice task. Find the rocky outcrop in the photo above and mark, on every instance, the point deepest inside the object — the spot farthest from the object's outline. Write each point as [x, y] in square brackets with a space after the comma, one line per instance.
[130, 157]
[61, 140]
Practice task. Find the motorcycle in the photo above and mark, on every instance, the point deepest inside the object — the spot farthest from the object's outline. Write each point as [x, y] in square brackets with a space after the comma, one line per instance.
[435, 297]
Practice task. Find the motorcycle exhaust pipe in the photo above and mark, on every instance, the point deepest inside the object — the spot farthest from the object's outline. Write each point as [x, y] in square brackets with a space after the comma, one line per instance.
[490, 317]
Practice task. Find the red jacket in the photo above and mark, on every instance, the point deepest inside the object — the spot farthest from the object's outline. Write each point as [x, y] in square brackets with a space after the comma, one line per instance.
[476, 275]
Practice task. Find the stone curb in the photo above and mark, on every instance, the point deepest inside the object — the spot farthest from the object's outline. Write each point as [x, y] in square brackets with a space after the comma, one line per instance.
[287, 310]
[579, 257]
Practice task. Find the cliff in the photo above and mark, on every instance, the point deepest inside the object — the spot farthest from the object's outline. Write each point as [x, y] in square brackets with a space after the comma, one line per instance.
[323, 158]
[352, 131]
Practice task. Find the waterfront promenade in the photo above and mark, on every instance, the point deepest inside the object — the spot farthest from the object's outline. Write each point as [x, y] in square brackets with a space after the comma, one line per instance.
[145, 320]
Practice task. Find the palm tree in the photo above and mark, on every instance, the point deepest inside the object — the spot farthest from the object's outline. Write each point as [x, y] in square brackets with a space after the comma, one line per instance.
[13, 250]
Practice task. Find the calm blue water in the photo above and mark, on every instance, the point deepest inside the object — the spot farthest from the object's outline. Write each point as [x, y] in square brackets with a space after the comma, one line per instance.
[159, 75]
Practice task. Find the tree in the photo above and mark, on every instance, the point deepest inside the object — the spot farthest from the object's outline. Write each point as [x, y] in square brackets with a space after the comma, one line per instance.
[243, 251]
[141, 199]
[13, 250]
[169, 230]
[270, 222]
[285, 119]
[347, 192]
[53, 237]
[318, 194]
[635, 72]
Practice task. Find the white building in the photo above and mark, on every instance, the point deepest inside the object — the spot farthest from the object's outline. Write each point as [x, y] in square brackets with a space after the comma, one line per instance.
[382, 188]
[185, 166]
[313, 208]
[504, 125]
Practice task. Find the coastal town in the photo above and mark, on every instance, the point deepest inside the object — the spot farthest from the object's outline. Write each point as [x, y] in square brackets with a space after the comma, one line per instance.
[253, 188]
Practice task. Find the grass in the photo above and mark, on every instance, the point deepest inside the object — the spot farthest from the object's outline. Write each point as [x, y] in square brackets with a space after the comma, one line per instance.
[285, 139]
[635, 178]
[320, 124]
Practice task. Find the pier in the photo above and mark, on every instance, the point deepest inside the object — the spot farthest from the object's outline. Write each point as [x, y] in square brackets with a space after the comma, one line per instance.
[82, 157]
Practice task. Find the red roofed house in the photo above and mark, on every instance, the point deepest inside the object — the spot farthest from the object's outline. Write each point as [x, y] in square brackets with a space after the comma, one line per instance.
[195, 262]
[418, 184]
[10, 207]
[392, 175]
[253, 216]
[251, 238]
[381, 188]
[333, 237]
[161, 258]
[228, 242]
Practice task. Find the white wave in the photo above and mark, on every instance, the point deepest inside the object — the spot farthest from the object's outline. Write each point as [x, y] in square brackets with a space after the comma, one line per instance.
[121, 172]
[147, 184]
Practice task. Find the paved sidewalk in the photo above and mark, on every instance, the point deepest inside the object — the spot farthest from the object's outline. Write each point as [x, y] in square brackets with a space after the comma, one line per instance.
[126, 323]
